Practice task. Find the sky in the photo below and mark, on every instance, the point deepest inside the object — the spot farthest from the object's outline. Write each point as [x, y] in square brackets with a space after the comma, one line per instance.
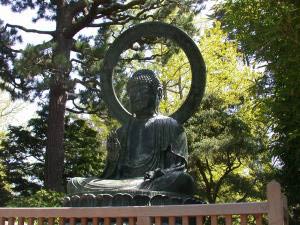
[25, 19]
[27, 110]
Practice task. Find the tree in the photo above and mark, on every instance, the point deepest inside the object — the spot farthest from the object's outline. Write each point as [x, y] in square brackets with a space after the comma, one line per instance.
[30, 72]
[7, 111]
[41, 198]
[227, 139]
[225, 158]
[23, 153]
[268, 34]
[5, 188]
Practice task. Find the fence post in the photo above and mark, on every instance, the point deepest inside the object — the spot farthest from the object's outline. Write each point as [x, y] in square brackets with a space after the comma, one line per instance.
[285, 210]
[275, 204]
[143, 220]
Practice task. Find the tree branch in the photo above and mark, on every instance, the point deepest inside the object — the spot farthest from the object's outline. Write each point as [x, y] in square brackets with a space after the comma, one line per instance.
[29, 30]
[209, 171]
[84, 21]
[77, 61]
[180, 67]
[94, 11]
[80, 109]
[59, 3]
[105, 24]
[205, 179]
[243, 198]
[118, 6]
[81, 5]
[142, 58]
[124, 19]
[15, 50]
[228, 170]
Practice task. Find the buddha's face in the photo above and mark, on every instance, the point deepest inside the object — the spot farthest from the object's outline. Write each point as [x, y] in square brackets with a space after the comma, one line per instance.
[142, 99]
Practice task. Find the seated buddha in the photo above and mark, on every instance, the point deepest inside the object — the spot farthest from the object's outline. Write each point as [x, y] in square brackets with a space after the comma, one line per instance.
[148, 153]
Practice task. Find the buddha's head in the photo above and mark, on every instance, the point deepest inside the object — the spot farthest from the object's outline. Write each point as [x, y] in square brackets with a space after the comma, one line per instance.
[145, 93]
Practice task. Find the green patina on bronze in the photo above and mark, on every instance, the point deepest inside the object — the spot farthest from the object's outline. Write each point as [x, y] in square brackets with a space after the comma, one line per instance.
[147, 156]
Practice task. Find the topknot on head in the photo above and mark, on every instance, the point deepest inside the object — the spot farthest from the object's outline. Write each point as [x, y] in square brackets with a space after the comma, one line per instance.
[144, 76]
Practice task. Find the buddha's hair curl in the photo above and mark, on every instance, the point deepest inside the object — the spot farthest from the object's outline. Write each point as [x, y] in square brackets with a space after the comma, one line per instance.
[144, 76]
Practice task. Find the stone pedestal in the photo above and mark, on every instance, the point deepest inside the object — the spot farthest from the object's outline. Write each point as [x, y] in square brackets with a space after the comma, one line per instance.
[128, 198]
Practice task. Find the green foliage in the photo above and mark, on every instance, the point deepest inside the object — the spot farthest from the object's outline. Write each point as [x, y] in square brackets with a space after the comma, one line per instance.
[227, 139]
[225, 158]
[5, 188]
[231, 80]
[84, 150]
[2, 135]
[42, 198]
[23, 149]
[176, 81]
[227, 78]
[268, 33]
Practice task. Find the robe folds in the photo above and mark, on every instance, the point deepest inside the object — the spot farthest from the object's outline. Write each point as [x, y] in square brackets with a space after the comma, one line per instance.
[141, 146]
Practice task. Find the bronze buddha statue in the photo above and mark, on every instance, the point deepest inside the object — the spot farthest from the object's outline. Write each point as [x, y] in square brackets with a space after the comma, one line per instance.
[148, 153]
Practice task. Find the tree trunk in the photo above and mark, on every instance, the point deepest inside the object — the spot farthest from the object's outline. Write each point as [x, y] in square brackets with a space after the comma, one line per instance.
[165, 94]
[180, 89]
[54, 167]
[54, 160]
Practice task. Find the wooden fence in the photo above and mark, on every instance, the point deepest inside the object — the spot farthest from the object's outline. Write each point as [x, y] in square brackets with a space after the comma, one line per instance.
[272, 212]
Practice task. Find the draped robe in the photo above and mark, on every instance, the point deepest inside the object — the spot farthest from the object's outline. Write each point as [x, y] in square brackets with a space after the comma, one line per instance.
[145, 145]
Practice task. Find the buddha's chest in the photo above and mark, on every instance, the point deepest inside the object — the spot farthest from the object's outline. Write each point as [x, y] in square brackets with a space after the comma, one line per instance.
[140, 143]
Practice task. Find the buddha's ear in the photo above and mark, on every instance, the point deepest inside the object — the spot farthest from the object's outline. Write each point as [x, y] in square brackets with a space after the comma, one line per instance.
[159, 93]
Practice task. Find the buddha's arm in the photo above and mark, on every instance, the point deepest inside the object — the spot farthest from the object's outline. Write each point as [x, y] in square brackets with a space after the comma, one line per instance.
[175, 158]
[113, 153]
[176, 155]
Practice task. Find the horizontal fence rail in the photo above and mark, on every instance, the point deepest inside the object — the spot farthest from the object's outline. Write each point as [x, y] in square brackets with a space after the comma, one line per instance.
[131, 211]
[274, 211]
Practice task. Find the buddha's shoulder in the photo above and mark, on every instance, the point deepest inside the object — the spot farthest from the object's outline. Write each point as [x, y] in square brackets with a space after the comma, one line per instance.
[169, 123]
[160, 117]
[164, 120]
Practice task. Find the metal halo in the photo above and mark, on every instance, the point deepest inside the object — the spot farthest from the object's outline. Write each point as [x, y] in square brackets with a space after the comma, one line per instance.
[154, 29]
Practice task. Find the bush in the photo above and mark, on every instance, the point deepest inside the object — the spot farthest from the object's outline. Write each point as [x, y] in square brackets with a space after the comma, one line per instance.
[42, 198]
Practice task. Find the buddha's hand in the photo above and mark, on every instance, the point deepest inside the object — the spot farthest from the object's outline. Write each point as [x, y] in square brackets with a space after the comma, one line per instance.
[151, 175]
[113, 146]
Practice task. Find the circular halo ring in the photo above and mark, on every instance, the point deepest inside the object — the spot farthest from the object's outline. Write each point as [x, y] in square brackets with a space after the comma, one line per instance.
[150, 30]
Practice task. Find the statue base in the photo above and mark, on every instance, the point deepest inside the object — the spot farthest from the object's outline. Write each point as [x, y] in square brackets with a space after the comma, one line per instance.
[128, 198]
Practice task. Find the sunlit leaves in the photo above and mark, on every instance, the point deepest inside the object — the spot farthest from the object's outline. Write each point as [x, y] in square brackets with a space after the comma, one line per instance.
[42, 198]
[223, 137]
[268, 32]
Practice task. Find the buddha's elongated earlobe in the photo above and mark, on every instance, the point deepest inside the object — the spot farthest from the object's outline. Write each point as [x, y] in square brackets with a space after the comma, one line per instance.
[159, 92]
[158, 97]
